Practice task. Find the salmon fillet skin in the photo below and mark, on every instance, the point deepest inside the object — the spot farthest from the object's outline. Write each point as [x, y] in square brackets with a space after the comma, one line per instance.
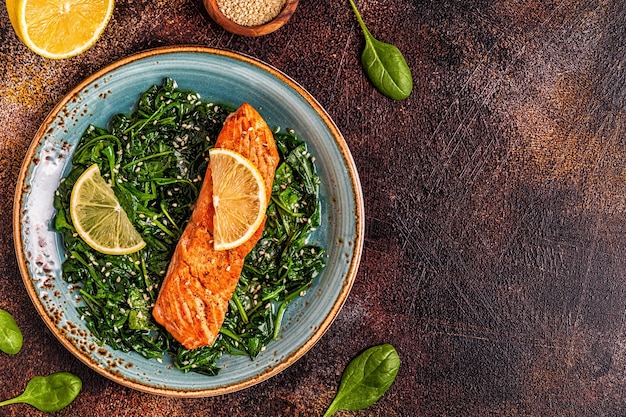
[200, 281]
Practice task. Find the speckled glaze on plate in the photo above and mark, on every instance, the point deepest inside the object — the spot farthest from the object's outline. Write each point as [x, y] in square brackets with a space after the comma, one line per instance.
[216, 75]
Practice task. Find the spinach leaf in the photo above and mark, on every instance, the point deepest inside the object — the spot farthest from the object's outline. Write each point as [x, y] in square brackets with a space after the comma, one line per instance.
[49, 393]
[384, 64]
[10, 334]
[366, 378]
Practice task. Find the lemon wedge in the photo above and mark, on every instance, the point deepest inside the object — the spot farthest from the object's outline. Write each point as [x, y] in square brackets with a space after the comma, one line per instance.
[59, 29]
[99, 218]
[239, 198]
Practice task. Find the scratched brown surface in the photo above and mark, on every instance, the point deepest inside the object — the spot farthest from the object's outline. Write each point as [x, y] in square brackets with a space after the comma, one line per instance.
[495, 250]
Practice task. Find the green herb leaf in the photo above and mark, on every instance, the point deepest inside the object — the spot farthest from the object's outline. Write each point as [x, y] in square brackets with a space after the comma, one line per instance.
[366, 378]
[384, 64]
[49, 393]
[10, 334]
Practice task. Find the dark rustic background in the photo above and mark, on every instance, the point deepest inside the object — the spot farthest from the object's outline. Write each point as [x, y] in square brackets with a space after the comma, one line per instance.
[495, 201]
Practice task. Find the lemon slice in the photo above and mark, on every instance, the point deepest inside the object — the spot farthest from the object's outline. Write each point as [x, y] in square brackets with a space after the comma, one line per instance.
[99, 218]
[239, 198]
[59, 28]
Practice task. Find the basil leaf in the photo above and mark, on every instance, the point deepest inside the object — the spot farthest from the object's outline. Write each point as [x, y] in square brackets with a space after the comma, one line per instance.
[384, 64]
[10, 334]
[49, 393]
[366, 378]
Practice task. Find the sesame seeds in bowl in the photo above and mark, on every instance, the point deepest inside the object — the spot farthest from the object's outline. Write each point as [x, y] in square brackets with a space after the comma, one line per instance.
[252, 17]
[251, 13]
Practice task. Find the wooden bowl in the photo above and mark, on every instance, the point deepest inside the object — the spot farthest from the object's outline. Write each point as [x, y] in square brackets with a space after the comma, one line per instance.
[269, 27]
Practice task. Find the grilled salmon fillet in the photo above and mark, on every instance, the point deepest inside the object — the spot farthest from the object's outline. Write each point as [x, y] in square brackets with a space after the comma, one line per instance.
[200, 281]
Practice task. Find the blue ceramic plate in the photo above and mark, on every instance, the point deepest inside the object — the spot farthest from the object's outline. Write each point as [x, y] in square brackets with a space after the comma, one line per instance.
[216, 75]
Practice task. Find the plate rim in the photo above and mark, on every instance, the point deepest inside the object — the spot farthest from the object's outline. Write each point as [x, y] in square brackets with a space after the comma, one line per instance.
[346, 286]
